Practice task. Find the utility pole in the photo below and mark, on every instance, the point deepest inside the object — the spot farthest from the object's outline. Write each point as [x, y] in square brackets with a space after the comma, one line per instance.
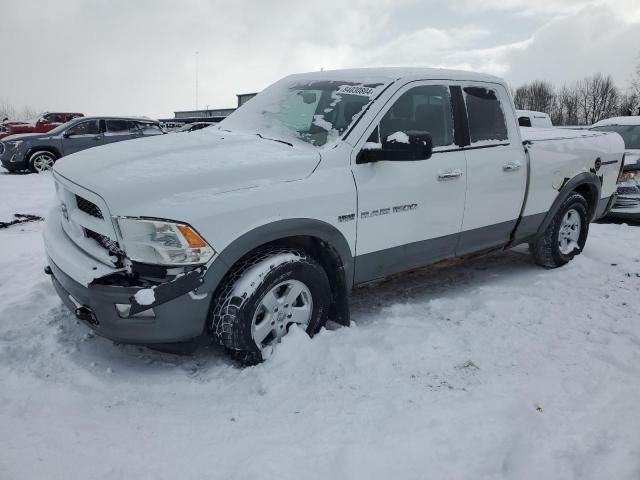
[196, 80]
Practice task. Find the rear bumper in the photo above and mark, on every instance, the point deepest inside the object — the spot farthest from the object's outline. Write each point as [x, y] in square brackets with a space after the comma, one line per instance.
[73, 272]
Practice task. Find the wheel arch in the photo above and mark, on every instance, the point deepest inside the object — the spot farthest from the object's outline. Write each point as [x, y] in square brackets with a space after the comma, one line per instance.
[44, 148]
[326, 244]
[586, 184]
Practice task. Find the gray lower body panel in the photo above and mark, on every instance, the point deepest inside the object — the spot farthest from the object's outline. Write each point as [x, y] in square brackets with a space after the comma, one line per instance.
[378, 265]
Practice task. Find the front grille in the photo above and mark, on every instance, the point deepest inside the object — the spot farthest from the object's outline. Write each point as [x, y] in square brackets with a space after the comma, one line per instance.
[111, 245]
[88, 207]
[627, 202]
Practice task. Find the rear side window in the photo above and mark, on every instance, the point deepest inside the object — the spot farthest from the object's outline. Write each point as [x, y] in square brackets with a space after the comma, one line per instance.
[117, 127]
[524, 121]
[486, 118]
[630, 134]
[149, 128]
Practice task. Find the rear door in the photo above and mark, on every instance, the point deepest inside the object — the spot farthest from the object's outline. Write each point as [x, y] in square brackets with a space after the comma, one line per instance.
[496, 168]
[409, 212]
[82, 135]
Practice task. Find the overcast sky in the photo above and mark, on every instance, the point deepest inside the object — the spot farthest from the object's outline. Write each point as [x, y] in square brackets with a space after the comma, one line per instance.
[139, 57]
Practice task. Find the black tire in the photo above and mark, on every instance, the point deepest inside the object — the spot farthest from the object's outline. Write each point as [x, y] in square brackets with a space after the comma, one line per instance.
[241, 294]
[546, 249]
[33, 159]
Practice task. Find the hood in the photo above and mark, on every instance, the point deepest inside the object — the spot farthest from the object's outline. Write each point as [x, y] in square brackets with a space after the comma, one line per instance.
[207, 162]
[23, 136]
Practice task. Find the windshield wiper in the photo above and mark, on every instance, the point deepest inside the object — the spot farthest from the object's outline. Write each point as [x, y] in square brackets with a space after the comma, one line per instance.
[275, 140]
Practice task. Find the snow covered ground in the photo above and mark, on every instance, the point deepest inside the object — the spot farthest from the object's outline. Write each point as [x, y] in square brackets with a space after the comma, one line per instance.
[490, 369]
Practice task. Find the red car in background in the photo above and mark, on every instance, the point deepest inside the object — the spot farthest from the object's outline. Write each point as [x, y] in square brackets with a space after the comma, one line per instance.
[42, 124]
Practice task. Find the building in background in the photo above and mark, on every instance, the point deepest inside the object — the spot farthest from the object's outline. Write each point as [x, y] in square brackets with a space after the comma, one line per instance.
[207, 115]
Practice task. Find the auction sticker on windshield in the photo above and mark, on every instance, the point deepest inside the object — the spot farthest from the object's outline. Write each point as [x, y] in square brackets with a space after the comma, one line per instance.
[357, 90]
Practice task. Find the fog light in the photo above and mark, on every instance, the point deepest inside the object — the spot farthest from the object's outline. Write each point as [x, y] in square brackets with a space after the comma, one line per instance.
[124, 308]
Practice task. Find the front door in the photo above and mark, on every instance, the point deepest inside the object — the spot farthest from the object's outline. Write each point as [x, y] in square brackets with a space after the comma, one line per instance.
[81, 136]
[410, 212]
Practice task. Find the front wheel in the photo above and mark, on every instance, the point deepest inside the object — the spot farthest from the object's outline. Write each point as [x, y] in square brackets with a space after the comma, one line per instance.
[565, 236]
[41, 161]
[262, 299]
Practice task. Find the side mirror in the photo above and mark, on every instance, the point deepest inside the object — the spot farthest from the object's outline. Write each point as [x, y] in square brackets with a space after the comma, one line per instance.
[66, 134]
[399, 146]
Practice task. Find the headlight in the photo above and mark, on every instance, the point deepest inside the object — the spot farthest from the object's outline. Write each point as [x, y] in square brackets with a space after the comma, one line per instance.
[15, 144]
[626, 176]
[163, 243]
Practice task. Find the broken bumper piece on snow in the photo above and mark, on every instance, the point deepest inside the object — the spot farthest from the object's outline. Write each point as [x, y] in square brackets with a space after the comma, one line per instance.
[109, 301]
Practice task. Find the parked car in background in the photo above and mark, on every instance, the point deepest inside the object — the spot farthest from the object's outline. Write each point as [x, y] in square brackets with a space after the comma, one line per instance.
[530, 118]
[628, 203]
[255, 230]
[41, 124]
[192, 127]
[39, 152]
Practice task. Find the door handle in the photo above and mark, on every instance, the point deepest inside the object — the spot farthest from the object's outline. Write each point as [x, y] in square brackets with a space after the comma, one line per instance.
[97, 137]
[444, 175]
[511, 167]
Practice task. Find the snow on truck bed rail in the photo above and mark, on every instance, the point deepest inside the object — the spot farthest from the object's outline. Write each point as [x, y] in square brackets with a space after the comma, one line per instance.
[539, 134]
[491, 369]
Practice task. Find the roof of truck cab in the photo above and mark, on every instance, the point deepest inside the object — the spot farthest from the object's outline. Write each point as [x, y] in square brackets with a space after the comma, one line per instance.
[532, 113]
[389, 74]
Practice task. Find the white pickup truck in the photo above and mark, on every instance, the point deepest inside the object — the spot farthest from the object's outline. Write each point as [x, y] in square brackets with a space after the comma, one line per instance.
[323, 181]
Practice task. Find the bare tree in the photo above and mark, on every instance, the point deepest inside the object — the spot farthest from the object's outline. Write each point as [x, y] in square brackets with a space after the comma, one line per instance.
[634, 92]
[9, 111]
[628, 103]
[597, 98]
[565, 107]
[538, 95]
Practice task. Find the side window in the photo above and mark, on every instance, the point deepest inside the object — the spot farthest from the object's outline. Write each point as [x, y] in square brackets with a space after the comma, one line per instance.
[117, 127]
[421, 110]
[85, 128]
[53, 118]
[524, 121]
[486, 119]
[149, 128]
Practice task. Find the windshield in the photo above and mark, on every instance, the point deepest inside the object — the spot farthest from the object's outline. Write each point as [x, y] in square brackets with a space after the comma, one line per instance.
[63, 127]
[629, 133]
[313, 111]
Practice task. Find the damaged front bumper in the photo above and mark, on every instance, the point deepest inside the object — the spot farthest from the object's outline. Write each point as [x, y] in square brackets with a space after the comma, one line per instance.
[104, 298]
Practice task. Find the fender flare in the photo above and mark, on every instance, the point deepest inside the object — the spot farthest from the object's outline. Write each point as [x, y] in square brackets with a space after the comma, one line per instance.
[294, 227]
[584, 178]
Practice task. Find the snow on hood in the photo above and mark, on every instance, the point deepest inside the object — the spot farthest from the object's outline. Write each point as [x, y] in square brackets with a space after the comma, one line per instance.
[130, 173]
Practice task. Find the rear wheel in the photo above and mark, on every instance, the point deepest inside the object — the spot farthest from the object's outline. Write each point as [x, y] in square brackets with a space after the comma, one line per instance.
[41, 161]
[565, 236]
[263, 298]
